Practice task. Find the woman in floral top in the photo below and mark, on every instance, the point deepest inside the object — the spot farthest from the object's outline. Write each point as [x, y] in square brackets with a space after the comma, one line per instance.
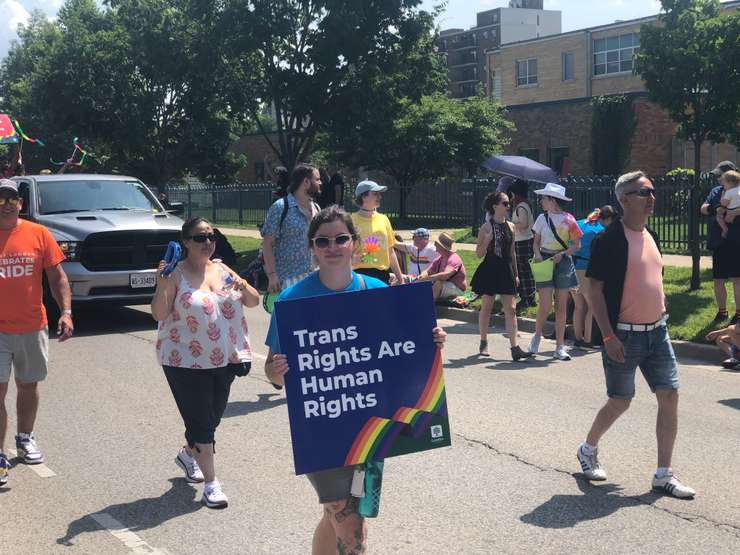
[202, 344]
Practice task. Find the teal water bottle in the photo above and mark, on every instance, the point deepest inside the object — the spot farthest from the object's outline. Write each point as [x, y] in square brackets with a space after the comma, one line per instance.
[369, 505]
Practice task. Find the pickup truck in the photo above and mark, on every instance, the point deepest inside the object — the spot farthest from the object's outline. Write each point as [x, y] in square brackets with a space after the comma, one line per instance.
[111, 228]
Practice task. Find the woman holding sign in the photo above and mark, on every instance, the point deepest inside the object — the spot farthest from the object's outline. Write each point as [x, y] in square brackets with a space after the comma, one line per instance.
[332, 237]
[202, 344]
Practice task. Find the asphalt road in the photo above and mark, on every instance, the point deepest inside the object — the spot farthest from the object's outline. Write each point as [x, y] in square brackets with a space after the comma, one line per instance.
[110, 431]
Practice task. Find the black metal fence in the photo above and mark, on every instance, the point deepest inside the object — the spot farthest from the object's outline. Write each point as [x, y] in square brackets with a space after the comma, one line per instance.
[451, 204]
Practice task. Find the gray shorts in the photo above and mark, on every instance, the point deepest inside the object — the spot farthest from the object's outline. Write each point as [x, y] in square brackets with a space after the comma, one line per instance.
[334, 484]
[27, 354]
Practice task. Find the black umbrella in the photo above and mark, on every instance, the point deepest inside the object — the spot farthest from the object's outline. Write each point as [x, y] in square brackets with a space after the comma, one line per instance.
[520, 167]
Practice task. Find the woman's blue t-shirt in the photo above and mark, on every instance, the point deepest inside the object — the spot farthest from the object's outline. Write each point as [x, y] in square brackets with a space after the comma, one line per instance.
[311, 286]
[590, 230]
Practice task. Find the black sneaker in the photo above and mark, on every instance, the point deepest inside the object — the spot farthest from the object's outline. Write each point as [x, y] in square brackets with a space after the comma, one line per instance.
[517, 354]
[4, 468]
[734, 319]
[720, 317]
[483, 349]
[581, 344]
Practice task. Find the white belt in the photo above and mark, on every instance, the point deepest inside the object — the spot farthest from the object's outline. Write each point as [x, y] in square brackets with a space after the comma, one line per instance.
[643, 327]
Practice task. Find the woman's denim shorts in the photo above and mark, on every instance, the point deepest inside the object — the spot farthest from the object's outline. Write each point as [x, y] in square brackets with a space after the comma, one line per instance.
[564, 275]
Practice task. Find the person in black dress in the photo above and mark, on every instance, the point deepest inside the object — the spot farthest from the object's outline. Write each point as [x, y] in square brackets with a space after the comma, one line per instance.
[497, 274]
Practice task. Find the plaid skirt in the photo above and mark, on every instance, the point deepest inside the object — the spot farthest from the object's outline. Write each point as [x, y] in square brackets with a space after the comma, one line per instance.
[525, 253]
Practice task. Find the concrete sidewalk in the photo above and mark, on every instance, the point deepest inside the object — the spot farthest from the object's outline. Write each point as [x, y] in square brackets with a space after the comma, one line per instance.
[669, 259]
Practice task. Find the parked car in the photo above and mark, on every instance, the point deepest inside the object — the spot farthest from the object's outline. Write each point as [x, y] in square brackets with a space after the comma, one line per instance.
[111, 228]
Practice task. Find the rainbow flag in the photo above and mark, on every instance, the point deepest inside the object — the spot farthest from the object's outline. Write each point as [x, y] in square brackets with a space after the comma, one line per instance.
[7, 131]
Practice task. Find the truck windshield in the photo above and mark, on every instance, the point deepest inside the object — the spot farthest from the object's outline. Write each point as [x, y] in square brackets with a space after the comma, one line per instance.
[59, 197]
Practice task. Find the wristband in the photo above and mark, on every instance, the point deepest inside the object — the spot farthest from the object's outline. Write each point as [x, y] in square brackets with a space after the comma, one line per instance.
[608, 338]
[67, 312]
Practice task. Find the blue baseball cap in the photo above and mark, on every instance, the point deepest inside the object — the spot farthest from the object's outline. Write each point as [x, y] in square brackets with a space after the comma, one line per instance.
[367, 185]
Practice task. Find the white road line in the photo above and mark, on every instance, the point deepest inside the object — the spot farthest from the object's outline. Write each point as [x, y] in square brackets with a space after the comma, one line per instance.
[126, 536]
[40, 469]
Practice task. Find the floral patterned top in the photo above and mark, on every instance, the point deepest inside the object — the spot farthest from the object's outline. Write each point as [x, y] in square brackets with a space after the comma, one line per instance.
[204, 330]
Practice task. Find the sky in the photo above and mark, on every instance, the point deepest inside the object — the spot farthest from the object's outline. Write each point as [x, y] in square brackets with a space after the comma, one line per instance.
[459, 13]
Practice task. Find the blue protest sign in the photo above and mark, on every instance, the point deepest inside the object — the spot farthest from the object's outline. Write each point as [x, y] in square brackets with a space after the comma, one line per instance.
[365, 380]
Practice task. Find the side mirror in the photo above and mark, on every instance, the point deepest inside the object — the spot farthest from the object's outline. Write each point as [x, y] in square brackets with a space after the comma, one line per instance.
[177, 208]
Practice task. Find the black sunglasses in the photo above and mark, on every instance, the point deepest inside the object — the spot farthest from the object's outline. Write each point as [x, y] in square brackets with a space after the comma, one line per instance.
[324, 242]
[507, 204]
[643, 192]
[203, 237]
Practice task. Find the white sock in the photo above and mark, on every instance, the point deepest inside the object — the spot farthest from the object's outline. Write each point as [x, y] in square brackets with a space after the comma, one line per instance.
[210, 484]
[588, 448]
[662, 471]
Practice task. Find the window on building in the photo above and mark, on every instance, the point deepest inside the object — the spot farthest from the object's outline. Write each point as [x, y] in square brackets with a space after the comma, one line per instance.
[526, 72]
[556, 158]
[614, 54]
[259, 171]
[568, 66]
[531, 153]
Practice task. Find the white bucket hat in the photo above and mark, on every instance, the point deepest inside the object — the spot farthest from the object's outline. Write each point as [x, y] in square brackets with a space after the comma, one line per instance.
[553, 190]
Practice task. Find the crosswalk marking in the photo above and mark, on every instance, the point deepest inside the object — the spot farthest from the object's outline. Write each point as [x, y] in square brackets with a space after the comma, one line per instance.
[40, 469]
[126, 536]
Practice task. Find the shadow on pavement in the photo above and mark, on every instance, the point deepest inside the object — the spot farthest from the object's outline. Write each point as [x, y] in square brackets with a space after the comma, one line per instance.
[732, 403]
[265, 401]
[141, 514]
[565, 511]
[104, 319]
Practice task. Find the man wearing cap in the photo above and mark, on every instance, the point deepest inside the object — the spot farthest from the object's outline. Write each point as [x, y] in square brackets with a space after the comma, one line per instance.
[421, 253]
[26, 251]
[377, 257]
[624, 287]
[447, 271]
[725, 250]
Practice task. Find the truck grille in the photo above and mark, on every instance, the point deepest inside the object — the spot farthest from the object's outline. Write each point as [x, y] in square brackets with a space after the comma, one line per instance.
[125, 250]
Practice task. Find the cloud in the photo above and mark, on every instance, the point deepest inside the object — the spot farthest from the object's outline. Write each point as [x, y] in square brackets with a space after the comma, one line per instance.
[12, 14]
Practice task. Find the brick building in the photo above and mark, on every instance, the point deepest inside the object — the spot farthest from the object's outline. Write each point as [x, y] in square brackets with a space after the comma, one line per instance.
[259, 154]
[465, 50]
[547, 83]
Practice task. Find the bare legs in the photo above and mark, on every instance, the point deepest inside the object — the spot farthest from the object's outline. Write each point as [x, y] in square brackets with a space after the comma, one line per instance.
[341, 530]
[27, 406]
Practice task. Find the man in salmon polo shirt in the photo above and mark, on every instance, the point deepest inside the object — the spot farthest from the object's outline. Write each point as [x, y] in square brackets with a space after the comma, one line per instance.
[624, 286]
[26, 251]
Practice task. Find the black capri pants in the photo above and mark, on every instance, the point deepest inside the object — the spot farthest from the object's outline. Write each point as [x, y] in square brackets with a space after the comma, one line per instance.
[201, 397]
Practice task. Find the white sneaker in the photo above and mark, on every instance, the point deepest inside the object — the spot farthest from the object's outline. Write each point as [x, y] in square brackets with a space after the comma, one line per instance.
[213, 497]
[671, 485]
[190, 466]
[28, 451]
[534, 344]
[561, 353]
[590, 465]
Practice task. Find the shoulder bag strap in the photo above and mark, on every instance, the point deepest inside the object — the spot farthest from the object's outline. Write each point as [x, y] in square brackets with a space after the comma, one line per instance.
[555, 233]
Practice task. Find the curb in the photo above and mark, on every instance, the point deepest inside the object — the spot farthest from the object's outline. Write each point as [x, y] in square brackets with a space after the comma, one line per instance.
[683, 349]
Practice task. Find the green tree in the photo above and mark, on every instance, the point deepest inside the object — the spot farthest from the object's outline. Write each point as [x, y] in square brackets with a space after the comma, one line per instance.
[146, 84]
[316, 60]
[690, 62]
[427, 139]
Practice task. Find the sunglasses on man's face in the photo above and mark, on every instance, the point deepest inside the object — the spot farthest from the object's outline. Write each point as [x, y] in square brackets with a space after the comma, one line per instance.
[339, 240]
[643, 192]
[203, 237]
[12, 201]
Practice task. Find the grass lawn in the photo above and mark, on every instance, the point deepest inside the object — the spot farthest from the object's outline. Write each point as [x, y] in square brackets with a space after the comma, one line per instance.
[691, 311]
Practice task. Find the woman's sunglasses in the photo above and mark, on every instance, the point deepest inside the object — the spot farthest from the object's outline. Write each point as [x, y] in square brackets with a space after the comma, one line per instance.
[506, 204]
[643, 192]
[12, 201]
[203, 237]
[324, 242]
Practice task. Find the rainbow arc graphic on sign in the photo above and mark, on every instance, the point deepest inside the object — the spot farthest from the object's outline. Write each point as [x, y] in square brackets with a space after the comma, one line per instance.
[378, 434]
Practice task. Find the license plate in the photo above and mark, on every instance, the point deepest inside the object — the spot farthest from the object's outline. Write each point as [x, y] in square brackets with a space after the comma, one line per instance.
[139, 281]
